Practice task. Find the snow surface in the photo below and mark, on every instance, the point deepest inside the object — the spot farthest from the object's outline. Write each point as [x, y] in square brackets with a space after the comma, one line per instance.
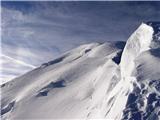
[93, 81]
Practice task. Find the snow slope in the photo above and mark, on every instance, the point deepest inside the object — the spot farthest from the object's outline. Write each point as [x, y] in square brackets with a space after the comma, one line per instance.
[93, 81]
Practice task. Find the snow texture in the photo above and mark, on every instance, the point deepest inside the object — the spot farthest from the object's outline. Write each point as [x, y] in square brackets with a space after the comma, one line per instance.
[113, 80]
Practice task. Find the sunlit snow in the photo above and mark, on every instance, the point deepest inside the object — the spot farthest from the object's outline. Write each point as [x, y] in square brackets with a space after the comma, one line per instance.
[92, 81]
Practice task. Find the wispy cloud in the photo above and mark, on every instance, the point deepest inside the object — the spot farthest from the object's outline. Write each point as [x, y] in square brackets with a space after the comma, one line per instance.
[11, 68]
[18, 61]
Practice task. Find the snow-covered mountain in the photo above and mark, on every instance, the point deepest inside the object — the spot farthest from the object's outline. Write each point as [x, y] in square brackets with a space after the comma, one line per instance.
[113, 80]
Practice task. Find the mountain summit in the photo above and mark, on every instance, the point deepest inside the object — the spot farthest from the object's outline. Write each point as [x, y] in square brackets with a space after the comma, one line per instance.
[114, 80]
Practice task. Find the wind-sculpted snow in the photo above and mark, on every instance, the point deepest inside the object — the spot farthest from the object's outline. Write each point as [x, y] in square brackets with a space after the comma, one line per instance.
[142, 74]
[145, 95]
[139, 41]
[93, 81]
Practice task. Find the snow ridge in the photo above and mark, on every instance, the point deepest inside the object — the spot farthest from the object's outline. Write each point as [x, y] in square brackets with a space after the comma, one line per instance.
[139, 42]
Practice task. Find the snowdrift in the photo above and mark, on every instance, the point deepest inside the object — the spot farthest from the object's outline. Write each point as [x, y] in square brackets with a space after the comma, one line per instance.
[114, 80]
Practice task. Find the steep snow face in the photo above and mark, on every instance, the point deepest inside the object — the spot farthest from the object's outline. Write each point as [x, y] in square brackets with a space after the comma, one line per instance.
[142, 74]
[139, 41]
[144, 100]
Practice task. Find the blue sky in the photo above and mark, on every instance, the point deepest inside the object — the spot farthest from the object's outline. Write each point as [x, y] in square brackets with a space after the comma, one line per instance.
[36, 32]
